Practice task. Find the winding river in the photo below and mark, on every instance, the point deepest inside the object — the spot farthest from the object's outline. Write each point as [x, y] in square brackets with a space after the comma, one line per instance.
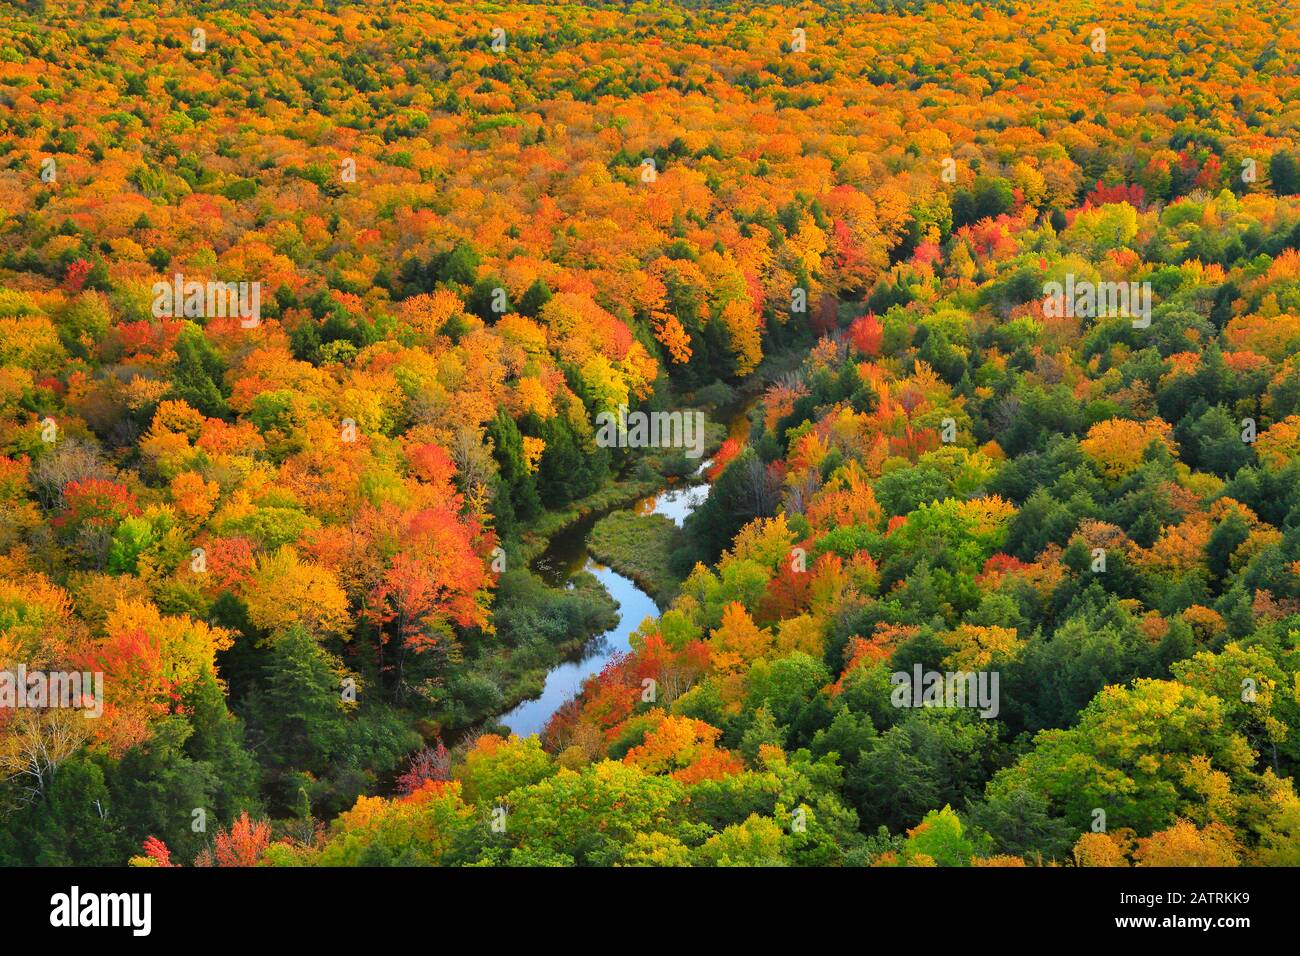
[566, 555]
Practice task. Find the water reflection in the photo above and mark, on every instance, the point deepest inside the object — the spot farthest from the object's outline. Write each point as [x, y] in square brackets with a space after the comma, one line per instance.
[565, 680]
[675, 503]
[566, 555]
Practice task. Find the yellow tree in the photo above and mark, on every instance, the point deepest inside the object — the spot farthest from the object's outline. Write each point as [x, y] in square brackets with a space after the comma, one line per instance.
[285, 590]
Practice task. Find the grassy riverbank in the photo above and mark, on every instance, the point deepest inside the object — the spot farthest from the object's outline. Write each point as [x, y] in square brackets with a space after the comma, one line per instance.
[545, 625]
[641, 548]
[615, 494]
[647, 477]
[537, 627]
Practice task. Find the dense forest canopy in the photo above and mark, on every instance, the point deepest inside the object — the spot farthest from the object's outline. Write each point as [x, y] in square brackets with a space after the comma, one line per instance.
[307, 313]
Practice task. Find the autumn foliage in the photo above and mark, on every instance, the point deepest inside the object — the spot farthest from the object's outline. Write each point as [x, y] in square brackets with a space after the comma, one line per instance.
[301, 548]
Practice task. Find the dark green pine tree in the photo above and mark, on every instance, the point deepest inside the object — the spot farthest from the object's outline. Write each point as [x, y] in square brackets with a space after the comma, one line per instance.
[508, 449]
[534, 297]
[198, 370]
[297, 707]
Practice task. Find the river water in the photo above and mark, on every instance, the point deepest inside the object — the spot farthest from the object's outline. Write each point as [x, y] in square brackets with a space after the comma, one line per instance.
[566, 555]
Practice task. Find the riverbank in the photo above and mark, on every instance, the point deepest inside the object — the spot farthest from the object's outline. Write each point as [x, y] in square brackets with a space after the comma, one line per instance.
[553, 553]
[538, 627]
[653, 471]
[640, 547]
[616, 494]
[633, 549]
